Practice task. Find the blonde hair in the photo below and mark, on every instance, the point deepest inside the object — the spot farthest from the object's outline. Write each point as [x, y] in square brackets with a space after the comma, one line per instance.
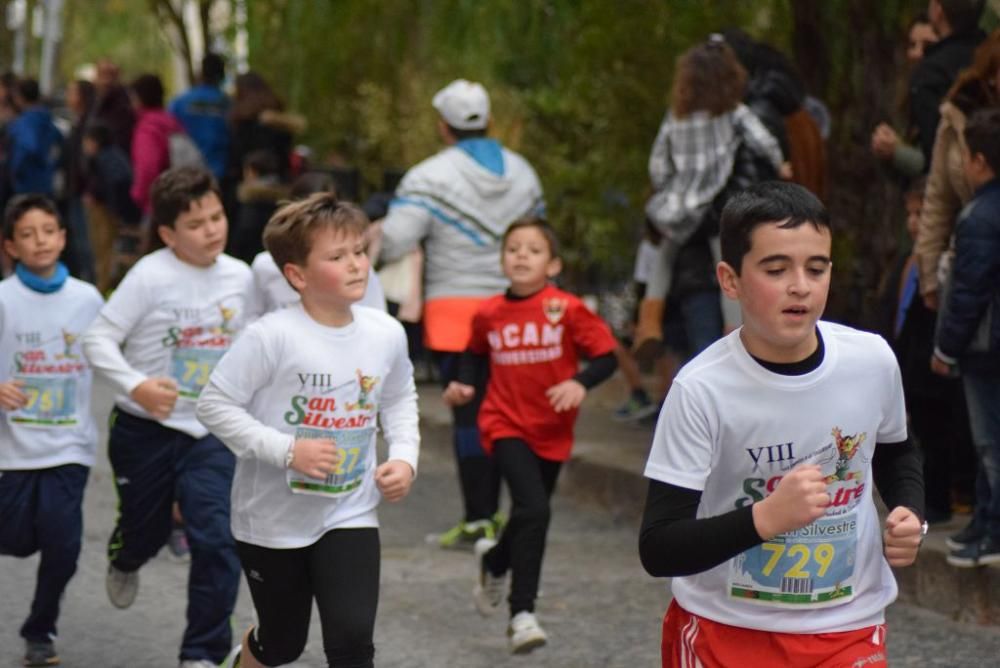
[291, 231]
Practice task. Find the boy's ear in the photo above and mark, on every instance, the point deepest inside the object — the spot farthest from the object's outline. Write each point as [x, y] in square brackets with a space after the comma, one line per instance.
[293, 274]
[729, 280]
[166, 235]
[10, 248]
[554, 267]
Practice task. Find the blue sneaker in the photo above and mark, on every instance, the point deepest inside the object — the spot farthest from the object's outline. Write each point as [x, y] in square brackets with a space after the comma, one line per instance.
[635, 408]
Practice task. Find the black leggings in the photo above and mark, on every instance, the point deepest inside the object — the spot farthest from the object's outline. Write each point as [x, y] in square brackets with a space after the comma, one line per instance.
[531, 481]
[341, 570]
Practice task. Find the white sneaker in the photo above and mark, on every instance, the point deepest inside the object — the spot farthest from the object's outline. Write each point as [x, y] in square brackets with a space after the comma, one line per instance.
[233, 659]
[490, 589]
[122, 587]
[525, 633]
[199, 663]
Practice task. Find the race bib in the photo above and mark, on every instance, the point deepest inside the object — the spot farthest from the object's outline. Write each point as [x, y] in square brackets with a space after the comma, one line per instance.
[808, 568]
[354, 446]
[191, 368]
[51, 402]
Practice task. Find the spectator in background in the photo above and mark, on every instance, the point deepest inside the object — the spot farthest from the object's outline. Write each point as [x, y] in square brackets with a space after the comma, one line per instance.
[956, 23]
[259, 193]
[35, 142]
[886, 144]
[108, 199]
[151, 139]
[203, 110]
[79, 256]
[258, 121]
[947, 189]
[113, 107]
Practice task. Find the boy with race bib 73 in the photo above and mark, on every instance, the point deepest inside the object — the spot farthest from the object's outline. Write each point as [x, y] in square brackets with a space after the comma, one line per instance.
[157, 339]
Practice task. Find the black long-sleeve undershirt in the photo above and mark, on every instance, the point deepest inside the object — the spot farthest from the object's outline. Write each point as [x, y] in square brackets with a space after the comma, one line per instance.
[673, 542]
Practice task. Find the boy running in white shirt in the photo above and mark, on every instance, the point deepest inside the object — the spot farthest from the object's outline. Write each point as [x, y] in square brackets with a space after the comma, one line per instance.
[157, 339]
[47, 433]
[760, 500]
[299, 399]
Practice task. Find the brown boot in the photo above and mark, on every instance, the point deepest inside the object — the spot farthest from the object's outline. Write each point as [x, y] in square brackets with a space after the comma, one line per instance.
[648, 343]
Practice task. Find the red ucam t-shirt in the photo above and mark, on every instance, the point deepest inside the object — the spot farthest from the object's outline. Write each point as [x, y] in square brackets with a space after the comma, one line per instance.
[533, 344]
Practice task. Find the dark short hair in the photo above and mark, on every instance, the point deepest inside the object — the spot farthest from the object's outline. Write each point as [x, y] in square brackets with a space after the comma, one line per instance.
[539, 224]
[22, 204]
[312, 182]
[213, 69]
[100, 132]
[982, 135]
[28, 90]
[781, 202]
[149, 89]
[174, 190]
[459, 135]
[262, 162]
[290, 233]
[962, 15]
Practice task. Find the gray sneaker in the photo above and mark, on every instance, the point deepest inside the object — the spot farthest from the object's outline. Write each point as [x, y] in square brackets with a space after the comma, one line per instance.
[525, 633]
[41, 654]
[122, 587]
[490, 589]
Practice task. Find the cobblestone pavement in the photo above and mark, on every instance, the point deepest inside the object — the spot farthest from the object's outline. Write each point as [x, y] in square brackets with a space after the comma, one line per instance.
[598, 606]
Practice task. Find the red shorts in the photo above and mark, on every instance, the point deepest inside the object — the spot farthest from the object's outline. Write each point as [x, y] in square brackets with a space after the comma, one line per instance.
[690, 641]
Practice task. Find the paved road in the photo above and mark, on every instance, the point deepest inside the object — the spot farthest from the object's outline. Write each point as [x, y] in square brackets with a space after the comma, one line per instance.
[599, 607]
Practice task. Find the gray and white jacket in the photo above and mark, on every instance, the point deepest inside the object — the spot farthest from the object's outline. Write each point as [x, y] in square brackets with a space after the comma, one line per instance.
[460, 210]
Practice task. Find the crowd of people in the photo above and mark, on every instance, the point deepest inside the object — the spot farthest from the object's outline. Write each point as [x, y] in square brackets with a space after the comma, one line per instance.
[233, 303]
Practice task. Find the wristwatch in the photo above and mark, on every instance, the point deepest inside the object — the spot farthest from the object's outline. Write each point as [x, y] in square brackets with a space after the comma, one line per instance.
[923, 531]
[290, 457]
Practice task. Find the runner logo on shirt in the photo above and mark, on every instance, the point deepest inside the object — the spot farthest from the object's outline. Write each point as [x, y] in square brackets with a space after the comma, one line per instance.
[812, 566]
[197, 348]
[49, 380]
[316, 412]
[554, 309]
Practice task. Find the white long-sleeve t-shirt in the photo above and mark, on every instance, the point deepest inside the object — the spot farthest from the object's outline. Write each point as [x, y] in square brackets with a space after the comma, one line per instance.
[289, 377]
[169, 319]
[40, 346]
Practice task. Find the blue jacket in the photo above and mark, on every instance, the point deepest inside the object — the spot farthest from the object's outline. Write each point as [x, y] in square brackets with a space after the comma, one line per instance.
[202, 111]
[975, 283]
[34, 151]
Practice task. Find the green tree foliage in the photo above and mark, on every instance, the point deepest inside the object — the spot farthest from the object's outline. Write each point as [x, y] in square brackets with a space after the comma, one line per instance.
[579, 87]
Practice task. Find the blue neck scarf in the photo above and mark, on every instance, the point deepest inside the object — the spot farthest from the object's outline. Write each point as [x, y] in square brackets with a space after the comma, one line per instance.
[39, 284]
[486, 152]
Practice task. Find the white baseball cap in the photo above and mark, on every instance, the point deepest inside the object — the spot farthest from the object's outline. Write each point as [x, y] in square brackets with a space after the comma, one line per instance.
[464, 105]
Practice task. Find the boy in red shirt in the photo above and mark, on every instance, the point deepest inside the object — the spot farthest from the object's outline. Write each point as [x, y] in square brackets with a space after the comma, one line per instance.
[534, 335]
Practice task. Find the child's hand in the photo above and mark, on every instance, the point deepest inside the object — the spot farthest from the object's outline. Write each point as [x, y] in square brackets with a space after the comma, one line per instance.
[901, 538]
[157, 396]
[316, 457]
[799, 499]
[11, 396]
[785, 172]
[458, 394]
[394, 479]
[566, 395]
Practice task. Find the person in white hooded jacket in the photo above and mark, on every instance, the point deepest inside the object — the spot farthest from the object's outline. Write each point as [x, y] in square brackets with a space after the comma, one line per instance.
[458, 203]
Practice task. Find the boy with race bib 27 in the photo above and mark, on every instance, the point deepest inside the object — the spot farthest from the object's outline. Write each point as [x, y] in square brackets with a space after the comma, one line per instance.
[299, 399]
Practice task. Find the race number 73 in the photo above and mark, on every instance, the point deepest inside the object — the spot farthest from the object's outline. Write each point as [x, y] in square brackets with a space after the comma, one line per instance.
[821, 554]
[196, 372]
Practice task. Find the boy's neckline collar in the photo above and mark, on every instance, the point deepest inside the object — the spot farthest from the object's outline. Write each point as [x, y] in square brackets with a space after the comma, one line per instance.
[41, 284]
